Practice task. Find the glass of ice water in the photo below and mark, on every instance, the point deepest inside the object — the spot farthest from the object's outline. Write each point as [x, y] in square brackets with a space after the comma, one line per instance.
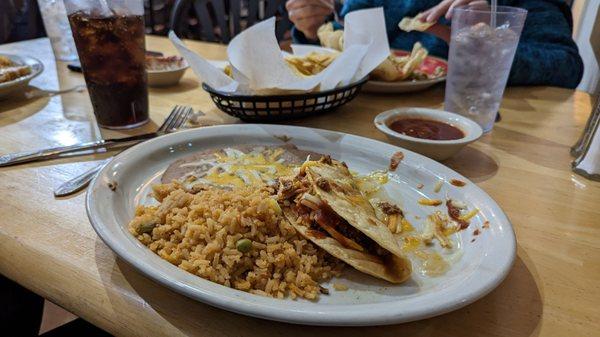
[481, 55]
[58, 30]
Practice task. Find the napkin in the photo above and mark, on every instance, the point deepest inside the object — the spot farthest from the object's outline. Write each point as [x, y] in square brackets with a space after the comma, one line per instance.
[258, 65]
[367, 26]
[212, 75]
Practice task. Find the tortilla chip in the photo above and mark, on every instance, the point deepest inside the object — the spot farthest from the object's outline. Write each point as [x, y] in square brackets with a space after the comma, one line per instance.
[417, 56]
[330, 38]
[311, 63]
[386, 71]
[409, 24]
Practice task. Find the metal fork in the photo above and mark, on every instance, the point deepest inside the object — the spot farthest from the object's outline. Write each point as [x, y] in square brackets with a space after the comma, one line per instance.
[174, 121]
[49, 93]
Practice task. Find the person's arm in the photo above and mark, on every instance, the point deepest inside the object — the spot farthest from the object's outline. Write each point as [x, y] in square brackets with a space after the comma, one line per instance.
[308, 16]
[299, 31]
[547, 54]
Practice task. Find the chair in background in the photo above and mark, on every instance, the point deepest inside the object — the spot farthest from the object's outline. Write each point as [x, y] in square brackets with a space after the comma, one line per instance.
[221, 20]
[157, 15]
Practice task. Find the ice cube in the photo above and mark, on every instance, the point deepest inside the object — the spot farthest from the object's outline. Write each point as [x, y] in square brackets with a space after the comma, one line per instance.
[481, 30]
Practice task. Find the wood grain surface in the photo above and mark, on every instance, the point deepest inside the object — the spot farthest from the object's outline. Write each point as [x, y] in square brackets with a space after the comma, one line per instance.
[48, 245]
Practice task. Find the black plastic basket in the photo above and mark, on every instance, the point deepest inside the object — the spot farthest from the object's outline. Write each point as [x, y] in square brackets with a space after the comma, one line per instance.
[273, 108]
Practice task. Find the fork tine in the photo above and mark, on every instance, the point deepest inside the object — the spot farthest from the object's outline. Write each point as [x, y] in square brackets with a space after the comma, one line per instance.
[170, 118]
[181, 118]
[186, 115]
[176, 118]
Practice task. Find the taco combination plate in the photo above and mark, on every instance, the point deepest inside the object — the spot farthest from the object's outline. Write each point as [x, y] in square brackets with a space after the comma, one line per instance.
[301, 225]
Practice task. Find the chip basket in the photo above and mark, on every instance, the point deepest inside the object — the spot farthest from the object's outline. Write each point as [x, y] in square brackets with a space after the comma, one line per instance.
[273, 108]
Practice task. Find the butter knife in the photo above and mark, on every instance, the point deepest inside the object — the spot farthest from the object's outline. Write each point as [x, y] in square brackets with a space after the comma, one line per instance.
[55, 152]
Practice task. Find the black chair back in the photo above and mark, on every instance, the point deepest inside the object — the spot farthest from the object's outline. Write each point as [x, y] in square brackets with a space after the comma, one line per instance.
[221, 20]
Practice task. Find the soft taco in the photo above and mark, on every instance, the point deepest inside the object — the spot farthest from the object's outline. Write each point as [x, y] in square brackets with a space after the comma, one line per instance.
[324, 204]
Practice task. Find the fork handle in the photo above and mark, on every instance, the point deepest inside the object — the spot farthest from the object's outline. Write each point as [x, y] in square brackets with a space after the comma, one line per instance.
[31, 156]
[78, 183]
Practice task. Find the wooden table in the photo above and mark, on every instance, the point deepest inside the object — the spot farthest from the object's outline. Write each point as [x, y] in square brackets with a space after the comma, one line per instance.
[48, 245]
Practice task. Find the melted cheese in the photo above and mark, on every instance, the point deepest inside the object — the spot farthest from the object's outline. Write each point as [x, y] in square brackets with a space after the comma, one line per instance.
[433, 264]
[411, 244]
[238, 169]
[371, 183]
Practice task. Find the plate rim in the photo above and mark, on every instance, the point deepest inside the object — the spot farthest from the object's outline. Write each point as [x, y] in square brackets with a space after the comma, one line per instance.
[316, 317]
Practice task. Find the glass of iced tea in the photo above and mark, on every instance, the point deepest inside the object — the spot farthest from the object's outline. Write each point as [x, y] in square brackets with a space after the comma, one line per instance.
[109, 36]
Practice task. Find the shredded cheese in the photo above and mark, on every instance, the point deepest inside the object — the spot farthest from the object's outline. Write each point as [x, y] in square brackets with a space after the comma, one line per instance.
[239, 169]
[469, 215]
[430, 202]
[438, 186]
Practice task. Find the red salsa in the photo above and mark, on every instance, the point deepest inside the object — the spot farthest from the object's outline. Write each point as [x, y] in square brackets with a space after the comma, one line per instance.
[426, 129]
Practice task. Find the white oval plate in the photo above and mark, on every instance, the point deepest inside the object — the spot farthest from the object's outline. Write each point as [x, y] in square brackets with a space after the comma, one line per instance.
[36, 65]
[483, 265]
[399, 87]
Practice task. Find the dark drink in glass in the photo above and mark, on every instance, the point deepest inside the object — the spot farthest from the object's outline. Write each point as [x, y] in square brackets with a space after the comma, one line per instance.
[111, 49]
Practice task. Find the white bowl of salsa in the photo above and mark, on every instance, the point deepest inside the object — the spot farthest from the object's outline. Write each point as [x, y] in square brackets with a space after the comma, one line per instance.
[436, 134]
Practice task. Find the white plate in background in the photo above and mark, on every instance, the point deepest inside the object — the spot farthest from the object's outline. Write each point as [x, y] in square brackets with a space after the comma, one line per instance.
[36, 65]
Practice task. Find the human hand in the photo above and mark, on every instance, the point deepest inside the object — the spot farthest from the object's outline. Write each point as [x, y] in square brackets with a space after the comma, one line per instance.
[309, 15]
[445, 8]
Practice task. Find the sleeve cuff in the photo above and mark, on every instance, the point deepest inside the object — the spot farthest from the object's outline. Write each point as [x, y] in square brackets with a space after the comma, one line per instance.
[299, 38]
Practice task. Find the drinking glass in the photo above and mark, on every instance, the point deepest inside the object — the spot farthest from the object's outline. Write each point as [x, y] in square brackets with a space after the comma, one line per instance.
[57, 27]
[480, 59]
[109, 35]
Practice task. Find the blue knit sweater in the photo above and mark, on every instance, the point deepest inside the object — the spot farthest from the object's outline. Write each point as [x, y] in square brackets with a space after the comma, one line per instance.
[547, 55]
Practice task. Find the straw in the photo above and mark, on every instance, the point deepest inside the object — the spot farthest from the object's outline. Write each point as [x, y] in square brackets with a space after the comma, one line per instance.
[104, 5]
[106, 8]
[493, 14]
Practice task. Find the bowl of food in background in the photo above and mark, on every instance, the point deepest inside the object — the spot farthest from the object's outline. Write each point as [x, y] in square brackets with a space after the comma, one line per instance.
[436, 134]
[402, 71]
[17, 71]
[406, 71]
[165, 71]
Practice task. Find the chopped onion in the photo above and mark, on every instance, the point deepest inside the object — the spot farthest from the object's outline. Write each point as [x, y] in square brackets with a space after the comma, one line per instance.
[310, 201]
[459, 204]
